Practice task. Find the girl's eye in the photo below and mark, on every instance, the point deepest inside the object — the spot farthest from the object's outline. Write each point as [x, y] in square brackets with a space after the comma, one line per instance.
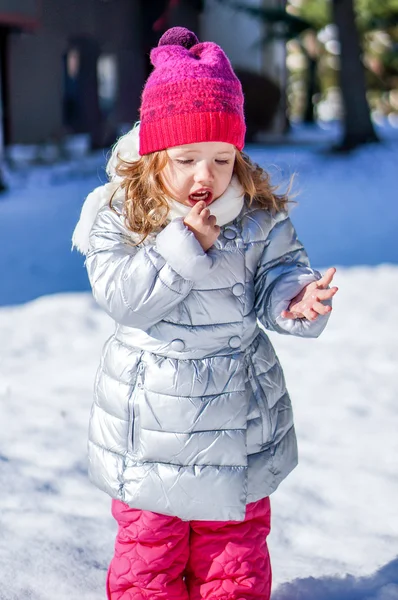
[189, 161]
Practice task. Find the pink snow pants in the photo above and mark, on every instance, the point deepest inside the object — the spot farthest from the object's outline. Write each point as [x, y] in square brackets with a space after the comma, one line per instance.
[161, 557]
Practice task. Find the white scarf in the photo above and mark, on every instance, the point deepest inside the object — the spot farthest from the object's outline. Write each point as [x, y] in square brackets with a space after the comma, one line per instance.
[226, 208]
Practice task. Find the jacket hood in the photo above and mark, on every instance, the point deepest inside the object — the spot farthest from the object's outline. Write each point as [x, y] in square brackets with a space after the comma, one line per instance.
[125, 148]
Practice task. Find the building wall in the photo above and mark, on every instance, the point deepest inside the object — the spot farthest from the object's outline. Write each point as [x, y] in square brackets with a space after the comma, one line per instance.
[35, 107]
[22, 13]
[36, 66]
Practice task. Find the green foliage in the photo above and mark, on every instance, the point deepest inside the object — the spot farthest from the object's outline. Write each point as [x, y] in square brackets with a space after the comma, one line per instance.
[316, 12]
[375, 10]
[371, 14]
[377, 21]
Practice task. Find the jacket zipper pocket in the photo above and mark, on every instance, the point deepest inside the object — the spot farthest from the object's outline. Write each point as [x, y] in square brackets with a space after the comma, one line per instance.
[133, 409]
[262, 404]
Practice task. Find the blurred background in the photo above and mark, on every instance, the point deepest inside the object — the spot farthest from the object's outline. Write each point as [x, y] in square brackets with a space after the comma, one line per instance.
[320, 79]
[321, 100]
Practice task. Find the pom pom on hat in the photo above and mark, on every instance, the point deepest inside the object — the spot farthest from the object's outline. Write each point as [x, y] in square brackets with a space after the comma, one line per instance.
[179, 36]
[191, 96]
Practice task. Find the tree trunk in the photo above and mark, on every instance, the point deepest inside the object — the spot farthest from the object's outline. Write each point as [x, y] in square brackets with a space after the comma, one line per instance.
[358, 127]
[311, 89]
[3, 102]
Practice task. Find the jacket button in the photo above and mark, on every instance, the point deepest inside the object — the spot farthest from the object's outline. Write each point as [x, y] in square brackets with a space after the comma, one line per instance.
[229, 234]
[238, 289]
[177, 345]
[234, 341]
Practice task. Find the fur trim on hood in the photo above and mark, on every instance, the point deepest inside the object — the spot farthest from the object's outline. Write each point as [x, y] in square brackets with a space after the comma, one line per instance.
[93, 203]
[127, 148]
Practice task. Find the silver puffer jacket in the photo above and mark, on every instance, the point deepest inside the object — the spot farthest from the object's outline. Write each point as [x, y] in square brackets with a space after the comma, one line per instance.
[191, 414]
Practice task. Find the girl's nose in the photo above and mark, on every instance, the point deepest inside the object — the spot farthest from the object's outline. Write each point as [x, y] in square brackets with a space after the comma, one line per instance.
[203, 174]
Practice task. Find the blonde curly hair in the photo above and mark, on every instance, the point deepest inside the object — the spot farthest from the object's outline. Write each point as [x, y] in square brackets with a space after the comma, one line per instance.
[146, 207]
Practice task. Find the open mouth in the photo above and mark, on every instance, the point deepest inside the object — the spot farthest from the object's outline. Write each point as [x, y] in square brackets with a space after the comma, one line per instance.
[204, 196]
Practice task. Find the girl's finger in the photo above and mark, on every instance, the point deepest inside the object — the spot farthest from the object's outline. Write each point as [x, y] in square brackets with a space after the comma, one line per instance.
[321, 309]
[287, 314]
[205, 213]
[326, 294]
[327, 278]
[198, 207]
[310, 314]
[212, 220]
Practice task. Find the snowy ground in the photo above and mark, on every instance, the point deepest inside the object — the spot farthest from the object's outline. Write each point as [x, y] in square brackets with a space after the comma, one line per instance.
[335, 515]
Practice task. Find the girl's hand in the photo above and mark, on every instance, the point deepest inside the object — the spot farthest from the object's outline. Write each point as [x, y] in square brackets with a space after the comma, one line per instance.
[307, 304]
[203, 225]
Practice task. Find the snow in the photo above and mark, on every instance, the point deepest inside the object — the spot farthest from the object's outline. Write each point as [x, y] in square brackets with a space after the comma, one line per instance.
[37, 217]
[335, 529]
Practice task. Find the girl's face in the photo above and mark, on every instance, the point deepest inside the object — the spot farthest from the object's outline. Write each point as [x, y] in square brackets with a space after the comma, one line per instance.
[199, 171]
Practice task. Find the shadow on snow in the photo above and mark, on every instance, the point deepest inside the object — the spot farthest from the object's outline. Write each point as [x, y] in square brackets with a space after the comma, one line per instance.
[383, 585]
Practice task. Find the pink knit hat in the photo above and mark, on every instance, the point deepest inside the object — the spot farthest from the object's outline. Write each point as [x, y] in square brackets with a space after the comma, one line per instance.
[192, 95]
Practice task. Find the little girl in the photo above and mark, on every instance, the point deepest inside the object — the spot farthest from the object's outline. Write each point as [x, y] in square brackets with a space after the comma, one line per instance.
[193, 255]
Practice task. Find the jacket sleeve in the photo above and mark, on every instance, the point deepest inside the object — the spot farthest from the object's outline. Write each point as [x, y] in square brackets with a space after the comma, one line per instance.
[283, 271]
[139, 286]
